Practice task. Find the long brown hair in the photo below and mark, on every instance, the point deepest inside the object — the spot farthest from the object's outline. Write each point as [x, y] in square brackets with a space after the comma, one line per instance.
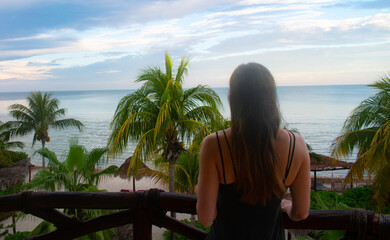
[255, 121]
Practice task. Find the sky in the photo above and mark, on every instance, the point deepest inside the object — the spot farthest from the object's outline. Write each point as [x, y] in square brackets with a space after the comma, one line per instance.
[51, 45]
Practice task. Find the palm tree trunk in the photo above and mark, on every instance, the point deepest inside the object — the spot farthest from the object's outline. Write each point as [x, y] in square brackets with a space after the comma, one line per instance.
[43, 158]
[171, 176]
[172, 188]
[133, 182]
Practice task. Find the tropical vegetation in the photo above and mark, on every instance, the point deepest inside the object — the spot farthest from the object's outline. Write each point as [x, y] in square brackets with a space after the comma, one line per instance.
[43, 112]
[162, 116]
[7, 155]
[77, 173]
[367, 129]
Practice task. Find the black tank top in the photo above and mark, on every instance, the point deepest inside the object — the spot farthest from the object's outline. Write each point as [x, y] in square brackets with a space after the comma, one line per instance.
[238, 220]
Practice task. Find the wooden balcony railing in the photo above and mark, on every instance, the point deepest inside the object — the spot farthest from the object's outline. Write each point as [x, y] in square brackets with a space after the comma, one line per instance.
[147, 208]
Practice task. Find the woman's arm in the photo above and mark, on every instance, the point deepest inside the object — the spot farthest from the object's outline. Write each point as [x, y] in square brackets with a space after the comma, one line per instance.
[208, 182]
[298, 208]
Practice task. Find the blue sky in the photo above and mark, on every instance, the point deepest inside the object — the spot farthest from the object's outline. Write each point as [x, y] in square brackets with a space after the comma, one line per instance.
[103, 44]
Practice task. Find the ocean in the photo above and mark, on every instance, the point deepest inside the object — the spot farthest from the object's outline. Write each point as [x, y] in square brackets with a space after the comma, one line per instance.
[316, 112]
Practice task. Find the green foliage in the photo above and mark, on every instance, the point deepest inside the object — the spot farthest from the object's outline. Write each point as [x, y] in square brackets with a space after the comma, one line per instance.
[360, 197]
[162, 116]
[326, 235]
[186, 172]
[324, 200]
[368, 130]
[77, 173]
[17, 236]
[43, 227]
[43, 112]
[3, 230]
[167, 233]
[9, 158]
[5, 161]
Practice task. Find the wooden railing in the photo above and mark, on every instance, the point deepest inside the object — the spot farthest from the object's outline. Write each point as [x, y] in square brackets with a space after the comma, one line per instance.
[147, 208]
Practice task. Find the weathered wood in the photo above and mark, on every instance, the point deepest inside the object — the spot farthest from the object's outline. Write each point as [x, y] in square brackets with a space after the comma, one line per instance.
[321, 220]
[79, 228]
[142, 227]
[147, 208]
[181, 203]
[51, 215]
[85, 200]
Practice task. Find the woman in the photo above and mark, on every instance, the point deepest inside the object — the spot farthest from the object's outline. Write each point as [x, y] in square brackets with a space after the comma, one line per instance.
[245, 170]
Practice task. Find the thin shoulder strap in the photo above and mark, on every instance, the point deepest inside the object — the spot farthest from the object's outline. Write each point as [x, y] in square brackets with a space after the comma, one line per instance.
[291, 150]
[220, 152]
[231, 155]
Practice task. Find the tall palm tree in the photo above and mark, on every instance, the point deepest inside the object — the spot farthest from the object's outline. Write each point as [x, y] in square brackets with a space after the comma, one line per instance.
[162, 116]
[42, 112]
[368, 130]
[77, 173]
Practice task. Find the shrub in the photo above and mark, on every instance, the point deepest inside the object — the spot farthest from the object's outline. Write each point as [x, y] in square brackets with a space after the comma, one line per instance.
[17, 236]
[9, 158]
[358, 197]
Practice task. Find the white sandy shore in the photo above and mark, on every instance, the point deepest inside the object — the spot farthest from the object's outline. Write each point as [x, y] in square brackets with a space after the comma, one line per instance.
[111, 184]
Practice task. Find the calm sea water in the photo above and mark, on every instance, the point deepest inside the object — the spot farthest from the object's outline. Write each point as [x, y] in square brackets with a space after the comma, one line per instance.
[317, 112]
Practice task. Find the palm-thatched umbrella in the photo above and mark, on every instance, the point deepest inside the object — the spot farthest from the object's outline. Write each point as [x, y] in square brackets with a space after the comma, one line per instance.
[319, 162]
[124, 172]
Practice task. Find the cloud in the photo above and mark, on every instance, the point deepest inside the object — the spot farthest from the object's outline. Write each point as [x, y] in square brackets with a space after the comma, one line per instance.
[92, 39]
[21, 69]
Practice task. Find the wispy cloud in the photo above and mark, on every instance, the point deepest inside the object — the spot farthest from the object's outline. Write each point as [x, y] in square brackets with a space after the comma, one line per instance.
[86, 33]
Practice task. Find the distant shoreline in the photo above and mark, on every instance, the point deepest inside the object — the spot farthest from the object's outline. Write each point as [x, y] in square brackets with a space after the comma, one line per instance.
[219, 87]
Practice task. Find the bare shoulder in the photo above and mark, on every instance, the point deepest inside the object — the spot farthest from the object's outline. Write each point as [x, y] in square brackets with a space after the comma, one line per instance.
[209, 146]
[300, 147]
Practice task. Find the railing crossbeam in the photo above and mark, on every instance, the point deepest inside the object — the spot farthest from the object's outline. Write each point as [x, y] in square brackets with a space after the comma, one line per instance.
[76, 228]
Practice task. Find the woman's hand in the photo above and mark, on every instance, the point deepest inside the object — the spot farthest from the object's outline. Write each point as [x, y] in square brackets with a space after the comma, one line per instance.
[286, 206]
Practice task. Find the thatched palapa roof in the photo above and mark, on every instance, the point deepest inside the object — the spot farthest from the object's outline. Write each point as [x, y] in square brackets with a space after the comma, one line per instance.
[319, 162]
[123, 170]
[10, 176]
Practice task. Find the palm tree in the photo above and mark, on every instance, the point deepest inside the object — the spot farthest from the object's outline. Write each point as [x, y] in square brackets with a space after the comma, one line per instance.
[162, 116]
[368, 130]
[77, 173]
[6, 144]
[42, 113]
[5, 137]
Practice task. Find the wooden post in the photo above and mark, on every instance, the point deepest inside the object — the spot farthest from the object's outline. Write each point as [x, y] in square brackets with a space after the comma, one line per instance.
[142, 225]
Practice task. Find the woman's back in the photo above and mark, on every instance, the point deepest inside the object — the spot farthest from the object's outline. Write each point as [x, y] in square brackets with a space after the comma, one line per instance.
[236, 219]
[243, 172]
[254, 221]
